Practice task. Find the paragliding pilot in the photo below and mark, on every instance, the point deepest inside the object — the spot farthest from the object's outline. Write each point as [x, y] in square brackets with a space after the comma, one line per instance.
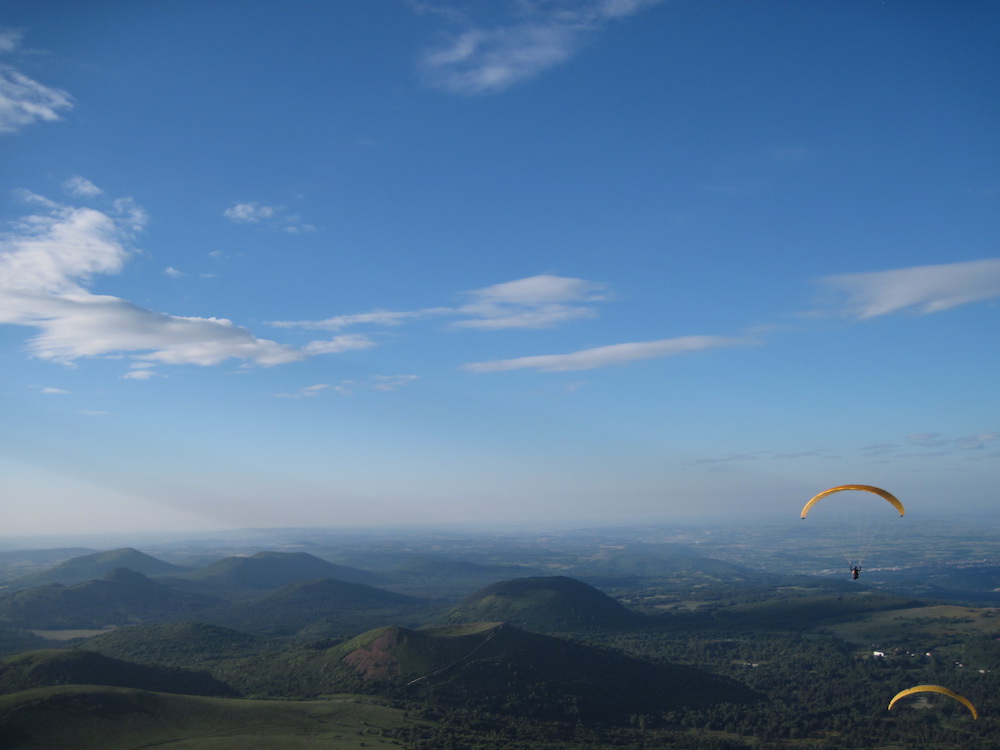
[855, 572]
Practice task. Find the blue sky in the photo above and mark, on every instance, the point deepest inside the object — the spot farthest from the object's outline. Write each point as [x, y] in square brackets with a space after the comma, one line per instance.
[355, 262]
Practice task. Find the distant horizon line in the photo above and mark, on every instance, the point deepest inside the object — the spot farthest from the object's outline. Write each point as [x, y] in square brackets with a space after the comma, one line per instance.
[12, 542]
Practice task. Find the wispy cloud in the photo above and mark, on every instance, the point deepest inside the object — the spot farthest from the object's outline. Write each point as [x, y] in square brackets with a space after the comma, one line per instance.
[24, 101]
[81, 187]
[535, 302]
[248, 213]
[140, 375]
[338, 322]
[347, 387]
[10, 39]
[482, 60]
[815, 453]
[273, 217]
[47, 260]
[937, 444]
[337, 344]
[934, 446]
[920, 289]
[607, 356]
[542, 301]
[392, 382]
[308, 391]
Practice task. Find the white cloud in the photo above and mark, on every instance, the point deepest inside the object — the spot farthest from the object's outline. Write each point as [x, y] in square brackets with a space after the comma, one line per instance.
[81, 187]
[606, 356]
[391, 382]
[54, 390]
[173, 272]
[273, 217]
[24, 101]
[248, 213]
[346, 387]
[337, 322]
[921, 289]
[140, 375]
[57, 252]
[541, 301]
[535, 302]
[308, 391]
[344, 343]
[480, 60]
[10, 39]
[46, 262]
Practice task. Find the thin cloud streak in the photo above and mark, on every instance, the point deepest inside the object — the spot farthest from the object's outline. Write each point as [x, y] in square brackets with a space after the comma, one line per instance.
[483, 61]
[542, 301]
[607, 356]
[920, 289]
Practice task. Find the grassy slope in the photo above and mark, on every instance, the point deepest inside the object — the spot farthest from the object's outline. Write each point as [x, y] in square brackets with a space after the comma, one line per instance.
[84, 717]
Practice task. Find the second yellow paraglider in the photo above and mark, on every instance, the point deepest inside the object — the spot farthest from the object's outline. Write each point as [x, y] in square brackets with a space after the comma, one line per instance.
[936, 689]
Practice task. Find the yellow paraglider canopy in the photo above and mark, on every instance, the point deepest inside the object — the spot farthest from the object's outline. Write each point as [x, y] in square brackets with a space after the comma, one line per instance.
[864, 487]
[936, 689]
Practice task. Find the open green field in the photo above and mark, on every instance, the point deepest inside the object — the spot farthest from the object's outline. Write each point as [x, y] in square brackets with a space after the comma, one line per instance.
[83, 717]
[938, 624]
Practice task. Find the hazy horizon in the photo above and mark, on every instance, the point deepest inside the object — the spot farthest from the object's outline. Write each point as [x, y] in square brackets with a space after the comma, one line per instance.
[403, 263]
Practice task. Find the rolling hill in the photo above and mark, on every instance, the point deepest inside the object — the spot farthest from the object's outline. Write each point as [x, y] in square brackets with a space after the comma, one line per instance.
[272, 570]
[18, 563]
[500, 668]
[122, 596]
[179, 644]
[341, 606]
[96, 565]
[77, 667]
[544, 603]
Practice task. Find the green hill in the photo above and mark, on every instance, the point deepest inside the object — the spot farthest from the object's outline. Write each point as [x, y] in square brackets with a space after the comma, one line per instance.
[110, 718]
[76, 667]
[179, 644]
[545, 603]
[272, 570]
[96, 565]
[502, 669]
[18, 563]
[344, 608]
[121, 597]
